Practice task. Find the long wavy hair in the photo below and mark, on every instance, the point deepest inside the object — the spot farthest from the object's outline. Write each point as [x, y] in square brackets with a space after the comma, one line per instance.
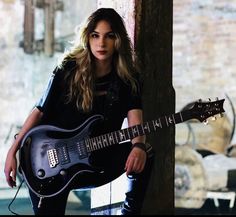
[82, 82]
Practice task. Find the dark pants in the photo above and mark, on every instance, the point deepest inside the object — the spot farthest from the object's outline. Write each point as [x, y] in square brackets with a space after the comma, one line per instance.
[137, 184]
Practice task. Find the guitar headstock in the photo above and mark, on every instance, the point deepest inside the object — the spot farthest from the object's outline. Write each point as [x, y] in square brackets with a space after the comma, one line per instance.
[203, 110]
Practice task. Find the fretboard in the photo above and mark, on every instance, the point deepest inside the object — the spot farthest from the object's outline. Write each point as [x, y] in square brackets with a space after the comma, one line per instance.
[129, 133]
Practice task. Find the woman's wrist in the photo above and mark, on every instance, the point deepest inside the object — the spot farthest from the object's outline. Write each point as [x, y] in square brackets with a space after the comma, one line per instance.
[140, 145]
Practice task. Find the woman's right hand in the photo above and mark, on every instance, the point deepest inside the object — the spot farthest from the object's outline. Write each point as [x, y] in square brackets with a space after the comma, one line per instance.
[11, 169]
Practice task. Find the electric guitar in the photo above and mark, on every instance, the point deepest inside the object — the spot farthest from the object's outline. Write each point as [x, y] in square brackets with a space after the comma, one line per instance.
[51, 157]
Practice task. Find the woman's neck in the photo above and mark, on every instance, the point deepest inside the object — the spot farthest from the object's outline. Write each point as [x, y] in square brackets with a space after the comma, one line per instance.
[103, 68]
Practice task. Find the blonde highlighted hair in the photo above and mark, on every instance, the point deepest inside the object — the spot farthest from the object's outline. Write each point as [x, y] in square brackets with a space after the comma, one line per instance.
[82, 81]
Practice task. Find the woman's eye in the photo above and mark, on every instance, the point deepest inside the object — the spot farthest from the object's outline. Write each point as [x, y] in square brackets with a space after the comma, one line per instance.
[111, 35]
[94, 35]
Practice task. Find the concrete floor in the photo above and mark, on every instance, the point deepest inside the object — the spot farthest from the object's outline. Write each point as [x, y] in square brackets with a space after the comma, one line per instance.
[78, 204]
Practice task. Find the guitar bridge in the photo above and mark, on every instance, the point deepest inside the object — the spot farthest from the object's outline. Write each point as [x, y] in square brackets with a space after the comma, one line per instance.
[52, 157]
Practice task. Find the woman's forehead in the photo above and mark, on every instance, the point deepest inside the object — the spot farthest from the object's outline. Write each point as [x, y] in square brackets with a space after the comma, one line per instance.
[103, 26]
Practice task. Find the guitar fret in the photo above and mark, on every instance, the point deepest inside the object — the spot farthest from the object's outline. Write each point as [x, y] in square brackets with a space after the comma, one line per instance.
[87, 145]
[135, 131]
[130, 132]
[117, 140]
[127, 130]
[140, 130]
[156, 124]
[104, 140]
[173, 118]
[170, 120]
[142, 127]
[111, 138]
[122, 136]
[95, 144]
[99, 142]
[96, 140]
[178, 118]
[146, 127]
[166, 121]
[91, 144]
[181, 117]
[126, 133]
[101, 139]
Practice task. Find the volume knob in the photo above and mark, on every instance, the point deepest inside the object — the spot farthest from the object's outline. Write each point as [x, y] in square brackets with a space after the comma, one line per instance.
[63, 172]
[41, 173]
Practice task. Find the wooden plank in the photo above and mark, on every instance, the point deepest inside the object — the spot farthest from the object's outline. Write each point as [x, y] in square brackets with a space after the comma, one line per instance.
[28, 43]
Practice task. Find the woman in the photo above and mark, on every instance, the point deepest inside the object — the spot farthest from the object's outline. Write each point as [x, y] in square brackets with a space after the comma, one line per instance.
[97, 76]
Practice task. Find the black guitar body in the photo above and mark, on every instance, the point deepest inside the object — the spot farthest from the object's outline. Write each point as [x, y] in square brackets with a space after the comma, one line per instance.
[51, 157]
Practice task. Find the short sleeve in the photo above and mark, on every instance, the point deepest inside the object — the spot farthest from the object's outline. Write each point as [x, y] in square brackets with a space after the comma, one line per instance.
[53, 93]
[49, 92]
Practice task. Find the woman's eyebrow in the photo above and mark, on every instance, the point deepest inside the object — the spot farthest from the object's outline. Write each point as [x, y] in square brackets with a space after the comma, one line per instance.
[105, 32]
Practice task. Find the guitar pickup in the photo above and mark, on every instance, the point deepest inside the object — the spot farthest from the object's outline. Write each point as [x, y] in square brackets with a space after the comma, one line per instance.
[64, 155]
[52, 157]
[82, 151]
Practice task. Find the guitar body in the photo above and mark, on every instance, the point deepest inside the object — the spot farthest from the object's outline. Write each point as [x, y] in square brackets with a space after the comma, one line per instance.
[51, 157]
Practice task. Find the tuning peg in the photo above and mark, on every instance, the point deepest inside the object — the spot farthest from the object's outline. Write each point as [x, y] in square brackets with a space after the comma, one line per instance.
[205, 122]
[221, 115]
[213, 118]
[209, 99]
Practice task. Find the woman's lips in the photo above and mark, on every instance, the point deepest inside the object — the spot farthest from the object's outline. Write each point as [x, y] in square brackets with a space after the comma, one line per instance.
[102, 52]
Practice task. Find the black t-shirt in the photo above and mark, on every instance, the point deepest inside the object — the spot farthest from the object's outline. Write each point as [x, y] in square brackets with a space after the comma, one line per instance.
[113, 105]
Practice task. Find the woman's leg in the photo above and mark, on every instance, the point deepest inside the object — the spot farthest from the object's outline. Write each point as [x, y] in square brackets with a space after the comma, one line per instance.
[137, 185]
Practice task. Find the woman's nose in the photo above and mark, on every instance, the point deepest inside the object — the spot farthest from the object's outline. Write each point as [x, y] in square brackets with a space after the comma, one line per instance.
[102, 42]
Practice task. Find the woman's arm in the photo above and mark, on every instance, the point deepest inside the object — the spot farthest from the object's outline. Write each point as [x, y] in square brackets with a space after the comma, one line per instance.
[11, 164]
[135, 117]
[137, 157]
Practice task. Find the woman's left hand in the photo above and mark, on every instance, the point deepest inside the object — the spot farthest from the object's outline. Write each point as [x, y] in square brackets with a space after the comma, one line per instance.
[136, 161]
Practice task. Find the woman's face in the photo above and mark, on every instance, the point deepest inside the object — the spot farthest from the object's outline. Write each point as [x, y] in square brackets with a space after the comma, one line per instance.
[102, 41]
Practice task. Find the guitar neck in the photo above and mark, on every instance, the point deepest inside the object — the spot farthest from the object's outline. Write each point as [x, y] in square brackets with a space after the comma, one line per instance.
[129, 133]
